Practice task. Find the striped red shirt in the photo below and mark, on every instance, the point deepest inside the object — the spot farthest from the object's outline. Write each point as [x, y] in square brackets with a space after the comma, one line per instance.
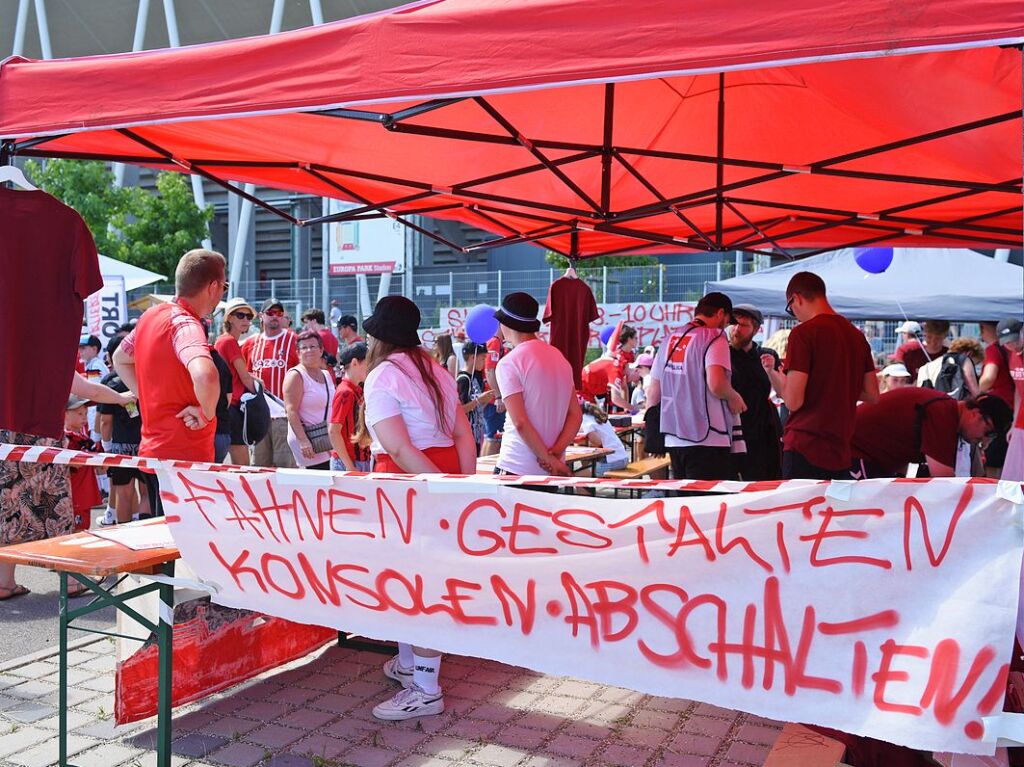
[271, 358]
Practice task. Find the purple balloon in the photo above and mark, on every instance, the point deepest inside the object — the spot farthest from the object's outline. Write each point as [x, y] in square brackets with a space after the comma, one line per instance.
[873, 260]
[606, 334]
[481, 324]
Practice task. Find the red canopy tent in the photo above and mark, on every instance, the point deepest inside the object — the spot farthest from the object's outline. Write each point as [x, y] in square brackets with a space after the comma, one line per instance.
[591, 127]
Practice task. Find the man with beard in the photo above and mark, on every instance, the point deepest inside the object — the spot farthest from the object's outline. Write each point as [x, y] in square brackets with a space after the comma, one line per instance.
[270, 355]
[755, 372]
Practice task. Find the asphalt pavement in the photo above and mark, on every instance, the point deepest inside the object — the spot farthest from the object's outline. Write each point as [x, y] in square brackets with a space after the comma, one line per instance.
[28, 624]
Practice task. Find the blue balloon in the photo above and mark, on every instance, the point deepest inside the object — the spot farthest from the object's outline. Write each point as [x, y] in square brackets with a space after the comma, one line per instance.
[873, 260]
[481, 324]
[606, 334]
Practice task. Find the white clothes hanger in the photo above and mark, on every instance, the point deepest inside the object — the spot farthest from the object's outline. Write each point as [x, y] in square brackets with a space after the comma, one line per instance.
[571, 271]
[13, 174]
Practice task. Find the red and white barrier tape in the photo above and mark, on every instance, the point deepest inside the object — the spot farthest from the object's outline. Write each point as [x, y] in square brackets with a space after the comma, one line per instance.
[35, 454]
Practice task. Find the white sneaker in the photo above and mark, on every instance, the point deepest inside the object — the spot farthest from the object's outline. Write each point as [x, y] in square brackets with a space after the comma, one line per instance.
[409, 704]
[109, 517]
[395, 670]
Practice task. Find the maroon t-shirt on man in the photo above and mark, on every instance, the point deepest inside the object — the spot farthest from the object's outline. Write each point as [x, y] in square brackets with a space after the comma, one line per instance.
[49, 267]
[885, 433]
[835, 356]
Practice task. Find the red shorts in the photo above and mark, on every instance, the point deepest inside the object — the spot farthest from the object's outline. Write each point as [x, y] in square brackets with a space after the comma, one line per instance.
[446, 459]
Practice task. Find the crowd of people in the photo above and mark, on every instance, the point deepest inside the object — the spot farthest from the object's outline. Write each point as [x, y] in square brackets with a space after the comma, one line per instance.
[809, 403]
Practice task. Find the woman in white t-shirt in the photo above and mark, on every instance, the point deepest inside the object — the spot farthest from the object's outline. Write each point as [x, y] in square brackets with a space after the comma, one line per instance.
[600, 433]
[415, 424]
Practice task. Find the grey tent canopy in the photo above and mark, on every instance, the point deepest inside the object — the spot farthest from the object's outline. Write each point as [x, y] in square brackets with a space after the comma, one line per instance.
[921, 283]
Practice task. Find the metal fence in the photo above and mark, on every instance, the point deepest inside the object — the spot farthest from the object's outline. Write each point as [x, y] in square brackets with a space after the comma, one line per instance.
[434, 291]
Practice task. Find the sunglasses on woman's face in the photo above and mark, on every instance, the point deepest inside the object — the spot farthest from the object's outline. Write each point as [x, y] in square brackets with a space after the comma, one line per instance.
[241, 315]
[304, 349]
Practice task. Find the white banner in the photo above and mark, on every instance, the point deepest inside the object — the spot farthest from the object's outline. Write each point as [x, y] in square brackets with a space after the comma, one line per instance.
[880, 608]
[107, 308]
[653, 321]
[375, 246]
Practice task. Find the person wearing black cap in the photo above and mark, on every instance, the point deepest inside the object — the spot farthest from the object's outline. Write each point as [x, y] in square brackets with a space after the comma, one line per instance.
[270, 355]
[536, 383]
[347, 332]
[917, 425]
[755, 372]
[829, 367]
[690, 380]
[415, 424]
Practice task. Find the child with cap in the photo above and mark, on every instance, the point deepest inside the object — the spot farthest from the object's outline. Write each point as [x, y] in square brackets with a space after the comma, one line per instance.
[85, 491]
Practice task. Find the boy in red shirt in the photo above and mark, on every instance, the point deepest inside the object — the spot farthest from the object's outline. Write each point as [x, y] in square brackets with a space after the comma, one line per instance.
[85, 491]
[348, 399]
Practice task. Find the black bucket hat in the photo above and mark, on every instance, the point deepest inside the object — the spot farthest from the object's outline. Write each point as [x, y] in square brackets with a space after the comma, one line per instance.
[395, 320]
[519, 312]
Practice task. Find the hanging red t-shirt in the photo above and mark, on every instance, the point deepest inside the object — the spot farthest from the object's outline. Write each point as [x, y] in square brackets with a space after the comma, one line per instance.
[570, 309]
[49, 268]
[270, 358]
[348, 398]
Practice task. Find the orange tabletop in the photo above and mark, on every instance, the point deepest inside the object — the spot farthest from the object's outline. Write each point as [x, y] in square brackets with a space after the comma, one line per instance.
[86, 554]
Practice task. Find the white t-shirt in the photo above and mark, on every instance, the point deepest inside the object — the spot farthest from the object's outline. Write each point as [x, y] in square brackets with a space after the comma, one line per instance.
[609, 439]
[395, 388]
[543, 376]
[717, 354]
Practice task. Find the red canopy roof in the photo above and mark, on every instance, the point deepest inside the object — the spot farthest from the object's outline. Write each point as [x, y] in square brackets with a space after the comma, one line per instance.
[786, 123]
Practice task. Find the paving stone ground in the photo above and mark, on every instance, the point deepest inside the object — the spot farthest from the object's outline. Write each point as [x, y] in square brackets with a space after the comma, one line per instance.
[316, 713]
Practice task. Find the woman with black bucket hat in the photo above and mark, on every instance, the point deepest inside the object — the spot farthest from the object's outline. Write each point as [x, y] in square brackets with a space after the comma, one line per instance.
[416, 425]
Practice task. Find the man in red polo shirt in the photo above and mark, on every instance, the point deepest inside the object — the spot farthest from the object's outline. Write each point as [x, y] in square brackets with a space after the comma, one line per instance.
[166, 361]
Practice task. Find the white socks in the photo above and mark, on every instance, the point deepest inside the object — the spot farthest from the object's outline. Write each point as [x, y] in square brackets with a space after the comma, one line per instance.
[425, 673]
[405, 657]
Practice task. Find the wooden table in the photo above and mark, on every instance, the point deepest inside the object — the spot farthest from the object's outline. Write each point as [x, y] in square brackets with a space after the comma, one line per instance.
[83, 557]
[575, 455]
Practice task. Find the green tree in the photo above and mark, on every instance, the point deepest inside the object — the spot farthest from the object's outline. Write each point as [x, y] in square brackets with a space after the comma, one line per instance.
[559, 261]
[150, 230]
[158, 228]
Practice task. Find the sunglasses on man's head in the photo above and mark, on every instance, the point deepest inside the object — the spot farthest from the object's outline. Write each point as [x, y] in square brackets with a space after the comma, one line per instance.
[241, 315]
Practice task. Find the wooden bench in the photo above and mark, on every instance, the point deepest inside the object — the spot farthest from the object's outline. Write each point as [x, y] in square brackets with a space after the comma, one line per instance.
[650, 466]
[646, 467]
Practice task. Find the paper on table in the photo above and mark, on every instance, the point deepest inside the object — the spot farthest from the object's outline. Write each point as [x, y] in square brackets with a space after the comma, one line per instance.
[139, 536]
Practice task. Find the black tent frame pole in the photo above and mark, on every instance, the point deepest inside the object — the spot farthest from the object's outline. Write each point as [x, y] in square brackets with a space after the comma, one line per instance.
[720, 164]
[599, 215]
[606, 149]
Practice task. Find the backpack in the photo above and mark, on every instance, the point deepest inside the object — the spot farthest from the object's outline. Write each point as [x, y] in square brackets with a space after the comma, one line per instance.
[950, 377]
